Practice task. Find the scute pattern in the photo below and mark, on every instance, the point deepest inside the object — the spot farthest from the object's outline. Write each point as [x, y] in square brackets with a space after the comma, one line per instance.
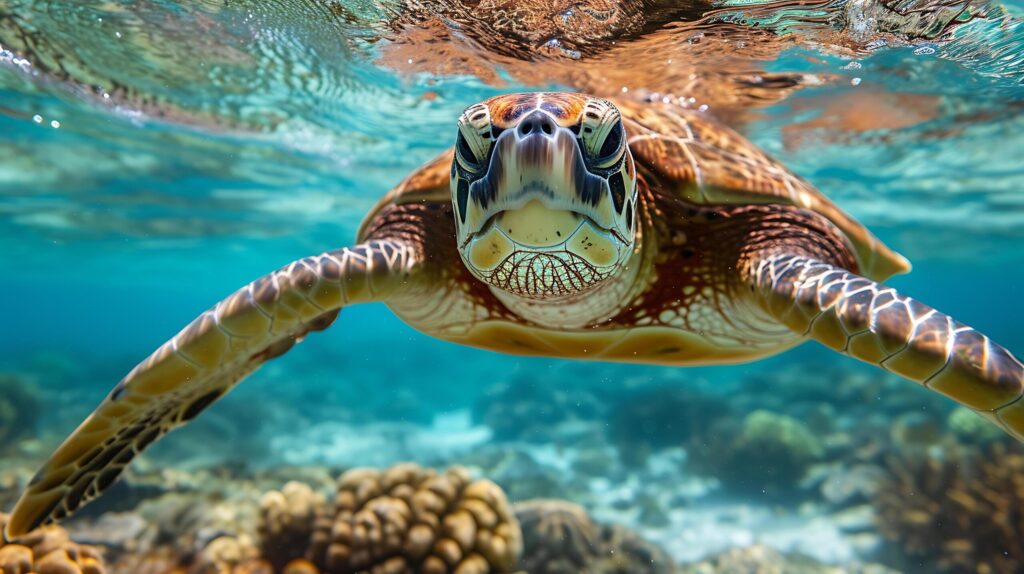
[705, 162]
[546, 275]
[693, 285]
[200, 364]
[876, 324]
[564, 106]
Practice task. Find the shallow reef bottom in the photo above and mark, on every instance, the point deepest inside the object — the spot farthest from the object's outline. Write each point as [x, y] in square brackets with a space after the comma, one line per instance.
[790, 476]
[404, 519]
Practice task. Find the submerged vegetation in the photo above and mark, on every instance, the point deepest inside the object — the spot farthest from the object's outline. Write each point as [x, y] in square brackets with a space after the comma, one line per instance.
[661, 417]
[614, 487]
[962, 513]
[562, 538]
[19, 409]
[766, 453]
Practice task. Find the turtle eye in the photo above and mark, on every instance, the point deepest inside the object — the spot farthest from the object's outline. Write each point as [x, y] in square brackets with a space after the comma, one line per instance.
[602, 134]
[611, 148]
[464, 154]
[474, 142]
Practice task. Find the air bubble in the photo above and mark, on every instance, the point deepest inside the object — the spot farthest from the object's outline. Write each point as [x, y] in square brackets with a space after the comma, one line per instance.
[54, 124]
[37, 119]
[924, 51]
[855, 82]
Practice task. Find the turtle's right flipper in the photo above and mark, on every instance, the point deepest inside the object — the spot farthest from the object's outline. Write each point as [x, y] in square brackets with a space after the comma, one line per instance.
[874, 323]
[201, 363]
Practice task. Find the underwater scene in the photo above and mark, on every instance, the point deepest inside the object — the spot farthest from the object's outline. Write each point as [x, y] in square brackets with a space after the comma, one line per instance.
[714, 368]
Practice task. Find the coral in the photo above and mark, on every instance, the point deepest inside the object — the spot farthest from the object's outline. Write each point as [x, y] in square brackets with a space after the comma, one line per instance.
[300, 566]
[849, 484]
[765, 560]
[286, 522]
[916, 430]
[972, 428]
[963, 513]
[524, 476]
[229, 555]
[768, 454]
[191, 531]
[560, 538]
[528, 409]
[662, 417]
[408, 519]
[48, 550]
[12, 481]
[19, 408]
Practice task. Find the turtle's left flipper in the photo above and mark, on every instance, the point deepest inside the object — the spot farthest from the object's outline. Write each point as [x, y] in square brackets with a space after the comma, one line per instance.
[201, 363]
[874, 323]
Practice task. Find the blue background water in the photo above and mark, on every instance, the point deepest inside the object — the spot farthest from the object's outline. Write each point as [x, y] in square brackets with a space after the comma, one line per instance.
[117, 228]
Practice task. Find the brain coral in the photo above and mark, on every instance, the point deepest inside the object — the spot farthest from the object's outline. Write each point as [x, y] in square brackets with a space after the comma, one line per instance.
[48, 551]
[407, 519]
[286, 522]
[560, 538]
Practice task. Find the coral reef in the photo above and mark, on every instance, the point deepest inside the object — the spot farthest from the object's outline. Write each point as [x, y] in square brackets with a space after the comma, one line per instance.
[48, 550]
[286, 522]
[662, 417]
[19, 408]
[560, 538]
[963, 513]
[760, 559]
[230, 555]
[522, 475]
[409, 519]
[401, 520]
[768, 453]
[528, 409]
[199, 532]
[972, 428]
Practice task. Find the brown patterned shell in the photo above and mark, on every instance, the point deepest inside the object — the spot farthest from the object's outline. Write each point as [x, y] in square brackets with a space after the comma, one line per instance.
[684, 152]
[566, 107]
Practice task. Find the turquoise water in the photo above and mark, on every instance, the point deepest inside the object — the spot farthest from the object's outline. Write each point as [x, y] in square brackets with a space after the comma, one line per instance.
[154, 158]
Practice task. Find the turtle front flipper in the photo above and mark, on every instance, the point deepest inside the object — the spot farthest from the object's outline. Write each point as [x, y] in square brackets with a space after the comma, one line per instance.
[201, 363]
[874, 323]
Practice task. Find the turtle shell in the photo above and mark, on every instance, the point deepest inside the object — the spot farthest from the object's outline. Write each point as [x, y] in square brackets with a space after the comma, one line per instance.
[683, 151]
[688, 153]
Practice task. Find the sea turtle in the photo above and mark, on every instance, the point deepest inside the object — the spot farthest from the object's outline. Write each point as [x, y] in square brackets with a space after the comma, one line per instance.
[564, 225]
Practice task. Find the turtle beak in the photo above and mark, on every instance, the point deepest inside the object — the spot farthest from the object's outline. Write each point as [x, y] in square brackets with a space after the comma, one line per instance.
[538, 223]
[539, 161]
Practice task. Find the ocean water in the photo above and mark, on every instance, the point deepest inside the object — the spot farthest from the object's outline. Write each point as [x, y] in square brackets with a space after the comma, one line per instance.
[155, 156]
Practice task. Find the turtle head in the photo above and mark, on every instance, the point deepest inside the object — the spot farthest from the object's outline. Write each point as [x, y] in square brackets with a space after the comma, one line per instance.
[544, 193]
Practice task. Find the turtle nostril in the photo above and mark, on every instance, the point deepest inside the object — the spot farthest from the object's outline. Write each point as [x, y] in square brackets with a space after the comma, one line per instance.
[537, 122]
